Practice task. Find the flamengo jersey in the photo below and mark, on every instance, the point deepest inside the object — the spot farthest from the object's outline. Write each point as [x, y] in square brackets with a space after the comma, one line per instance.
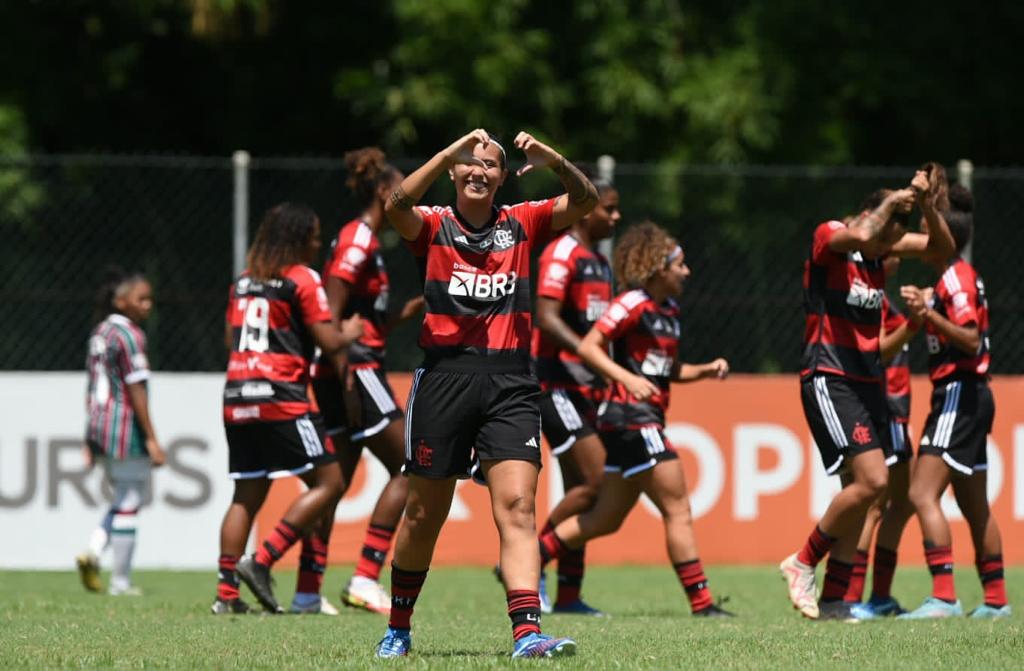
[582, 280]
[645, 341]
[355, 258]
[268, 370]
[116, 359]
[897, 371]
[477, 284]
[960, 298]
[843, 303]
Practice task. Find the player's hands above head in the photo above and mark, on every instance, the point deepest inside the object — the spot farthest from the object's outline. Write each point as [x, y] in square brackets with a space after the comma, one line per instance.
[461, 151]
[538, 154]
[920, 183]
[902, 200]
[640, 387]
[157, 456]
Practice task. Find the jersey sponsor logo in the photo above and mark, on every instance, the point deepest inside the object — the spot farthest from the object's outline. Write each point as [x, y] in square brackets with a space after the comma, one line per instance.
[256, 389]
[246, 412]
[596, 306]
[657, 362]
[353, 258]
[482, 285]
[860, 434]
[503, 239]
[863, 296]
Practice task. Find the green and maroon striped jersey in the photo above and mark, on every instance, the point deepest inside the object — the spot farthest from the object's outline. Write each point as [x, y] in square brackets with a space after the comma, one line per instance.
[116, 358]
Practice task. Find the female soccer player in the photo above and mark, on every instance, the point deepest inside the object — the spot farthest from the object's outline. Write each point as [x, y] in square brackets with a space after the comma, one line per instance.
[277, 314]
[475, 391]
[642, 328]
[952, 447]
[574, 290]
[357, 284]
[120, 430]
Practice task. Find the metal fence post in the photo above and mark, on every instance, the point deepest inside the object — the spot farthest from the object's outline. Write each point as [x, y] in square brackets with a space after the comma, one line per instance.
[240, 162]
[606, 172]
[965, 177]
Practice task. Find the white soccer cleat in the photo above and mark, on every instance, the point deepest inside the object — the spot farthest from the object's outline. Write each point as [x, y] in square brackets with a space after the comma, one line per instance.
[368, 594]
[124, 590]
[803, 591]
[316, 607]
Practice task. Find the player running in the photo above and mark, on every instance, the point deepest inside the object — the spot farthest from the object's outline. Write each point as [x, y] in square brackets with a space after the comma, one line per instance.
[277, 314]
[574, 291]
[841, 380]
[119, 431]
[953, 445]
[475, 391]
[642, 328]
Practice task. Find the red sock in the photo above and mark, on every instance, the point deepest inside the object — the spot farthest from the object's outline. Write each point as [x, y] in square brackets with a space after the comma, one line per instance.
[940, 564]
[695, 583]
[312, 564]
[524, 611]
[816, 547]
[551, 547]
[277, 543]
[375, 551]
[884, 569]
[990, 570]
[837, 580]
[855, 591]
[570, 577]
[405, 589]
[227, 579]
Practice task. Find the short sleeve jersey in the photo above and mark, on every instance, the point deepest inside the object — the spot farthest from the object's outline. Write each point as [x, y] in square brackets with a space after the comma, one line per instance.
[477, 282]
[116, 358]
[272, 345]
[897, 371]
[581, 280]
[843, 307]
[960, 298]
[644, 340]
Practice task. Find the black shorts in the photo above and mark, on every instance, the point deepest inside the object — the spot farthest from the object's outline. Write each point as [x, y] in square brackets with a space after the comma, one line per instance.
[902, 447]
[959, 423]
[633, 451]
[452, 415]
[566, 416]
[276, 449]
[377, 404]
[846, 418]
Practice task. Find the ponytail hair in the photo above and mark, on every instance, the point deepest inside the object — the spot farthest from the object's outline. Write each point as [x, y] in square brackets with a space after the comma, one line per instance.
[367, 170]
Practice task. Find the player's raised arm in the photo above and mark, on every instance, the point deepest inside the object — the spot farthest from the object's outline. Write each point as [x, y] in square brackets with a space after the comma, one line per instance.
[935, 242]
[868, 227]
[580, 195]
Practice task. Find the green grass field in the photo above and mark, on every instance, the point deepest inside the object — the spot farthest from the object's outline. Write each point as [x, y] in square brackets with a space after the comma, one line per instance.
[48, 621]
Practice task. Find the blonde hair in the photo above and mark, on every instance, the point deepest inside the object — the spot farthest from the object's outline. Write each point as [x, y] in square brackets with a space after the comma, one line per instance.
[641, 252]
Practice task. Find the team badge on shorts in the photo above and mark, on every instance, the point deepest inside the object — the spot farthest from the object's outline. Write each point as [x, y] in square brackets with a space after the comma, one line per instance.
[861, 434]
[424, 454]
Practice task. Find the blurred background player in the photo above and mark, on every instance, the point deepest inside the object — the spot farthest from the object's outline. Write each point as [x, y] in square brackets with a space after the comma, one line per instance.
[120, 430]
[953, 445]
[356, 282]
[575, 287]
[475, 391]
[842, 378]
[642, 328]
[277, 315]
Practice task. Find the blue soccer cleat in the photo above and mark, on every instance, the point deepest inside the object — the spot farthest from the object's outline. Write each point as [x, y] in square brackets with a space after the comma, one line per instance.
[542, 592]
[933, 608]
[862, 612]
[987, 612]
[885, 607]
[396, 643]
[539, 645]
[577, 607]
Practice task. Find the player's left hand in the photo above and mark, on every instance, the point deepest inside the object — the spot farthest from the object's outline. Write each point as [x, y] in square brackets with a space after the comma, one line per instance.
[914, 298]
[538, 154]
[719, 368]
[89, 457]
[920, 183]
[157, 456]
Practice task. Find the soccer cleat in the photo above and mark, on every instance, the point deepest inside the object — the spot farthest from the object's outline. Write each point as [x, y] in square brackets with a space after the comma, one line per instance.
[539, 645]
[396, 643]
[837, 611]
[863, 611]
[257, 578]
[803, 591]
[876, 607]
[89, 571]
[542, 593]
[318, 606]
[715, 610]
[229, 607]
[366, 593]
[578, 607]
[933, 608]
[987, 612]
[124, 590]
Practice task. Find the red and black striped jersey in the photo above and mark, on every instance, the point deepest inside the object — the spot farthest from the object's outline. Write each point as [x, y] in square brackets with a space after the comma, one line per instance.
[581, 280]
[897, 371]
[477, 286]
[645, 341]
[843, 304]
[355, 258]
[272, 345]
[960, 298]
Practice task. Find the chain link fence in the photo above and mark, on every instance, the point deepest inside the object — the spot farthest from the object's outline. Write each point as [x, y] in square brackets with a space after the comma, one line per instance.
[746, 230]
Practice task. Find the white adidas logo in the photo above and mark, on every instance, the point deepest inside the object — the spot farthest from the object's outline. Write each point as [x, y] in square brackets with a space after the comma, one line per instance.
[462, 239]
[532, 443]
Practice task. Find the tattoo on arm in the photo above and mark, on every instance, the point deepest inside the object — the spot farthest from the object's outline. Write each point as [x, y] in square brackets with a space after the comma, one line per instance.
[401, 200]
[577, 186]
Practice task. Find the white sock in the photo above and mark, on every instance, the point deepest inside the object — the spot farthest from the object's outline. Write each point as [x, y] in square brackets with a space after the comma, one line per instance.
[99, 539]
[122, 540]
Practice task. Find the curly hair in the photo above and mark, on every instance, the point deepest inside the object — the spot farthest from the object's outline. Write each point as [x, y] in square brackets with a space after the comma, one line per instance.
[641, 252]
[282, 240]
[115, 282]
[367, 169]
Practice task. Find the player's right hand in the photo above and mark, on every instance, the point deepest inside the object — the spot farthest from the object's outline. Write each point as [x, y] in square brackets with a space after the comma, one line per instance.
[902, 200]
[352, 328]
[461, 151]
[640, 387]
[157, 456]
[89, 457]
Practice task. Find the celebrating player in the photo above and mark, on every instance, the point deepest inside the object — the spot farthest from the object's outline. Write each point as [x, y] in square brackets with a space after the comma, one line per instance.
[475, 391]
[575, 288]
[953, 445]
[642, 328]
[119, 431]
[277, 314]
[841, 378]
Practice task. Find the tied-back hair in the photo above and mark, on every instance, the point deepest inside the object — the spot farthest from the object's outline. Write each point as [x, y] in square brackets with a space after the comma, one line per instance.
[960, 216]
[368, 169]
[875, 199]
[115, 281]
[282, 240]
[641, 252]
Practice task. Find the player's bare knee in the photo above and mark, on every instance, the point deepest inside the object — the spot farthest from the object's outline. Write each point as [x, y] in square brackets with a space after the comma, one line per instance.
[518, 512]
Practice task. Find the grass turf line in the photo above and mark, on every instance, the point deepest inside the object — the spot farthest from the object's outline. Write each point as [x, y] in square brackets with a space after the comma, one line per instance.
[47, 620]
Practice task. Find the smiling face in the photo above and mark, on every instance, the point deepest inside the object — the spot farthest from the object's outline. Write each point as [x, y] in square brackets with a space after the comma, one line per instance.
[672, 277]
[478, 184]
[602, 219]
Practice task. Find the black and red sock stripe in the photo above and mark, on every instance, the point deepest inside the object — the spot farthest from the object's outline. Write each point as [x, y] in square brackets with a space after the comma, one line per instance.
[524, 611]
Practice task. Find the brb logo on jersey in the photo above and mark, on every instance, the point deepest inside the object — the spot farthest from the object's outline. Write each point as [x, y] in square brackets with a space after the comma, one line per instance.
[472, 284]
[863, 296]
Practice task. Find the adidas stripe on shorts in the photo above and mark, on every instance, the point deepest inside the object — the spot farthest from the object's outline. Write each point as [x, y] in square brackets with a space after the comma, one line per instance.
[959, 423]
[846, 418]
[566, 416]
